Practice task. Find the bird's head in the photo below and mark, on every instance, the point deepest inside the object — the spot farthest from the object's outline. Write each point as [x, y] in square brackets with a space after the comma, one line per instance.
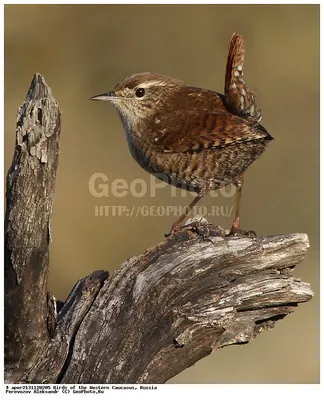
[138, 96]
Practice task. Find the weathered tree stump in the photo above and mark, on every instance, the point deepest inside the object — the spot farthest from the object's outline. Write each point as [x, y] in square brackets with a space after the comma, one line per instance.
[158, 313]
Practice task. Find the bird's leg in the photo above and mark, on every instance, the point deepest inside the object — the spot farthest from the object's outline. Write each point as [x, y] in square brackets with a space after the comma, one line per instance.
[176, 225]
[236, 224]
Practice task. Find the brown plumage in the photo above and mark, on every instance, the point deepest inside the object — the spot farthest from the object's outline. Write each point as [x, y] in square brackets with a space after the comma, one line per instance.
[239, 99]
[192, 138]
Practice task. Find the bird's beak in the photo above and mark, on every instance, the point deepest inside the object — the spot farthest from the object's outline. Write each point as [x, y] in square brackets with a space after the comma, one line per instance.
[110, 96]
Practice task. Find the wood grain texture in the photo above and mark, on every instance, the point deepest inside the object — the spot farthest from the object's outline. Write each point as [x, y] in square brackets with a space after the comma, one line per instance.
[158, 313]
[29, 201]
[162, 311]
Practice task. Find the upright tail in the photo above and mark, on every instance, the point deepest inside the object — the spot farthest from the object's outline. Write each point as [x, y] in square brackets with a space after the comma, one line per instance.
[239, 99]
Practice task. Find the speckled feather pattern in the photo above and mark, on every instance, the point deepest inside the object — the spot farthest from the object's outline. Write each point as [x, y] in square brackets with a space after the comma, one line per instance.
[192, 138]
[197, 146]
[239, 98]
[209, 169]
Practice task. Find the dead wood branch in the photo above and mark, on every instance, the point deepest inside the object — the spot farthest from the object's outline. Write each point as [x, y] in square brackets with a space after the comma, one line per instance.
[158, 314]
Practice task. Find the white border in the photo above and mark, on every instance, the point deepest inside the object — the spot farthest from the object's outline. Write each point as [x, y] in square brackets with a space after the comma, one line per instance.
[221, 391]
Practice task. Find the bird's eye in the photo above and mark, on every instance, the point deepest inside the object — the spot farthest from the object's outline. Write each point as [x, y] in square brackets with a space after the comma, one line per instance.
[140, 92]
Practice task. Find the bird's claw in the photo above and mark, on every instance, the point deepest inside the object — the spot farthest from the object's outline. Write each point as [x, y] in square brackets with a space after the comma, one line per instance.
[200, 227]
[241, 232]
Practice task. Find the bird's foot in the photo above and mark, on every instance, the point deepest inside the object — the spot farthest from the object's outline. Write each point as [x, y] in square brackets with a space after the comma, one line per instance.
[174, 229]
[241, 232]
[236, 231]
[205, 230]
[200, 226]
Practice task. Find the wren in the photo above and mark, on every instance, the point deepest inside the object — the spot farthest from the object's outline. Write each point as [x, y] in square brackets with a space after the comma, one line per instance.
[193, 138]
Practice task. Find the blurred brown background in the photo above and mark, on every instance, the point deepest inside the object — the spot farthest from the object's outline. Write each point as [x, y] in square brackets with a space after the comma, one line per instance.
[84, 50]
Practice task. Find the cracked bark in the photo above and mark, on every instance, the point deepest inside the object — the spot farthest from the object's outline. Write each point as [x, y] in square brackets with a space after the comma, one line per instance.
[158, 313]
